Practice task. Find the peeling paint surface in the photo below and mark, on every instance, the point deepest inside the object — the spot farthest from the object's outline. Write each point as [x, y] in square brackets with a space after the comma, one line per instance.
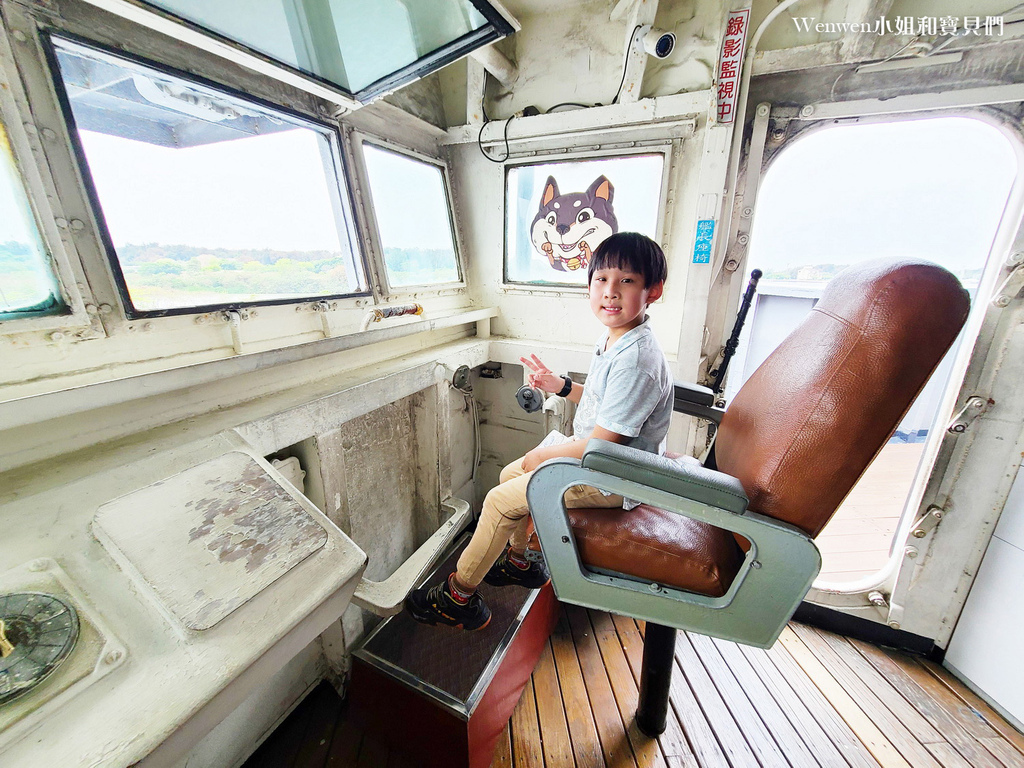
[209, 539]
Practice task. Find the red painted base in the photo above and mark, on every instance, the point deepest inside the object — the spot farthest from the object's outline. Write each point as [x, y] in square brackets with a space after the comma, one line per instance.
[434, 736]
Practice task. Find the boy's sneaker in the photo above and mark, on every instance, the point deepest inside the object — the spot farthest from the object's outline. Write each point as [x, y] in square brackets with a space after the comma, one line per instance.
[435, 605]
[503, 573]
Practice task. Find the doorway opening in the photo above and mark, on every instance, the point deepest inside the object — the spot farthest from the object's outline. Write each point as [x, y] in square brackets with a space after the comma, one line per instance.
[933, 188]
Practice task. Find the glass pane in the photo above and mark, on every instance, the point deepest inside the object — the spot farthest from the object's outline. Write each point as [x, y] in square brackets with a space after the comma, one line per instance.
[413, 220]
[208, 199]
[351, 43]
[27, 284]
[558, 213]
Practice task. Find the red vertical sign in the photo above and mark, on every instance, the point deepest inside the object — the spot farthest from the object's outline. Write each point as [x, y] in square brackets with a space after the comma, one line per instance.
[730, 64]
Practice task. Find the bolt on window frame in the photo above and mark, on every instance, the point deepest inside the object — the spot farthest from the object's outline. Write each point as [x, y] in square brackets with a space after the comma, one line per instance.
[348, 226]
[382, 283]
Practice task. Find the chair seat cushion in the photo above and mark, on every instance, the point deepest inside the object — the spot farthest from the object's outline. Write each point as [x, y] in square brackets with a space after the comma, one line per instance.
[651, 544]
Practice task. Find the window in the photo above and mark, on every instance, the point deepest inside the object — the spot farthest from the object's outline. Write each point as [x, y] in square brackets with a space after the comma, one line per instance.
[556, 214]
[934, 188]
[28, 287]
[414, 225]
[364, 49]
[208, 200]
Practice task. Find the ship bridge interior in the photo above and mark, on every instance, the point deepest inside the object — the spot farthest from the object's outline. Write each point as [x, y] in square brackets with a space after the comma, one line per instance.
[268, 272]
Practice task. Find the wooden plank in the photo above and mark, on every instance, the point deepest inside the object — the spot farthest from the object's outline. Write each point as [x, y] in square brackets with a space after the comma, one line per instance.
[945, 722]
[503, 749]
[947, 755]
[646, 750]
[673, 741]
[770, 711]
[694, 723]
[977, 703]
[895, 702]
[1003, 750]
[968, 718]
[790, 704]
[344, 751]
[888, 722]
[736, 699]
[526, 752]
[727, 731]
[323, 707]
[586, 746]
[867, 732]
[554, 730]
[817, 706]
[611, 731]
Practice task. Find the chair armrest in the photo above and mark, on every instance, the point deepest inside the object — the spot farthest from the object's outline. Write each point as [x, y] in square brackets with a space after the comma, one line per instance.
[693, 393]
[706, 486]
[776, 573]
[695, 400]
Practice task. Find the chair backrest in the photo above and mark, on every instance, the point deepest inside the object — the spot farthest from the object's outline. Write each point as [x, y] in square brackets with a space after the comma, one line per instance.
[806, 425]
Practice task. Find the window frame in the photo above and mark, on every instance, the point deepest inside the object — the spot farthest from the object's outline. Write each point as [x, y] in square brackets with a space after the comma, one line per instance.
[53, 226]
[332, 131]
[375, 246]
[665, 147]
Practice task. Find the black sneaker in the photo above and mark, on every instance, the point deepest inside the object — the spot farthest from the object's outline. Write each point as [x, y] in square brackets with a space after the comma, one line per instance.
[503, 573]
[435, 605]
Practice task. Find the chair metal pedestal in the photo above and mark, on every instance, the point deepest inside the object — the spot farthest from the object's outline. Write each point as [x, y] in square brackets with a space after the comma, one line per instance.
[656, 678]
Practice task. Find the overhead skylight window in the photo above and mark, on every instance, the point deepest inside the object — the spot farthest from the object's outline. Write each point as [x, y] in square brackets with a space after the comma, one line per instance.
[362, 48]
[209, 200]
[27, 284]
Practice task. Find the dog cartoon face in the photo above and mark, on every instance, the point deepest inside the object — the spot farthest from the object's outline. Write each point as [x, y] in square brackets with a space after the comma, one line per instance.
[569, 227]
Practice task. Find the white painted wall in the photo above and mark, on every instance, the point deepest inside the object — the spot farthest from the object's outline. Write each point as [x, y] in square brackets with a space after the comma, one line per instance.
[985, 647]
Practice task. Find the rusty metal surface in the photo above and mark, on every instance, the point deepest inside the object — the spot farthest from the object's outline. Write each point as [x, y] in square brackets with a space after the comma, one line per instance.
[210, 538]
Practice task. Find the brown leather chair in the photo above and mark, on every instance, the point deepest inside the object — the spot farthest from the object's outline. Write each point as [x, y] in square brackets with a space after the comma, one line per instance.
[726, 550]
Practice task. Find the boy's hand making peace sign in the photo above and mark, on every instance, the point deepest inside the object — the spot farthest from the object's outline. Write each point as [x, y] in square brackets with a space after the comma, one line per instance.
[540, 375]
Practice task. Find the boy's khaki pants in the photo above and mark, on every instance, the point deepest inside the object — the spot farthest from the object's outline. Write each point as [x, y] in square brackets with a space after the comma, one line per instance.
[505, 518]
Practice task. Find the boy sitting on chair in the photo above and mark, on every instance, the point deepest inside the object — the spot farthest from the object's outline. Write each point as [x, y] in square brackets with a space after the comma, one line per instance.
[627, 399]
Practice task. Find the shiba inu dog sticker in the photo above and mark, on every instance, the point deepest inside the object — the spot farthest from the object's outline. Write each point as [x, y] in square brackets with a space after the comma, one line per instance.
[567, 228]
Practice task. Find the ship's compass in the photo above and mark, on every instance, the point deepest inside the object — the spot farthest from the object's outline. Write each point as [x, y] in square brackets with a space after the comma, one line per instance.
[37, 632]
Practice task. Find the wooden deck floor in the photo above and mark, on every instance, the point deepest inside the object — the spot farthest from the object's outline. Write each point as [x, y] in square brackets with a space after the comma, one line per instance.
[856, 541]
[815, 699]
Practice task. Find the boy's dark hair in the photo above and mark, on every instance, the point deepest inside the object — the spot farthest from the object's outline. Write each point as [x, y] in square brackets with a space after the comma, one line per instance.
[633, 252]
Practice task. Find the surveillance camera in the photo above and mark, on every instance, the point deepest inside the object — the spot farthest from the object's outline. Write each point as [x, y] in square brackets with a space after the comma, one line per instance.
[659, 43]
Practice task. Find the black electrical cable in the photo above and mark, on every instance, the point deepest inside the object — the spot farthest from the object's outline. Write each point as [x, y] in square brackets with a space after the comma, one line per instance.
[569, 104]
[480, 144]
[508, 151]
[625, 63]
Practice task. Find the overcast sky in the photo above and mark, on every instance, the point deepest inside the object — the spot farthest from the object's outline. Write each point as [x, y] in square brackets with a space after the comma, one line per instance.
[932, 188]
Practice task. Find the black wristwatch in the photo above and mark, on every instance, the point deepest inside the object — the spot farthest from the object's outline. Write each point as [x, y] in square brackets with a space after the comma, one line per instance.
[567, 388]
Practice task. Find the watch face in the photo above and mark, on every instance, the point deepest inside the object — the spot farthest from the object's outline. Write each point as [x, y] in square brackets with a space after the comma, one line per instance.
[37, 632]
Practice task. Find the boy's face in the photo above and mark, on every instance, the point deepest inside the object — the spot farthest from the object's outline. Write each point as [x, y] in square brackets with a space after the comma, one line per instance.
[618, 298]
